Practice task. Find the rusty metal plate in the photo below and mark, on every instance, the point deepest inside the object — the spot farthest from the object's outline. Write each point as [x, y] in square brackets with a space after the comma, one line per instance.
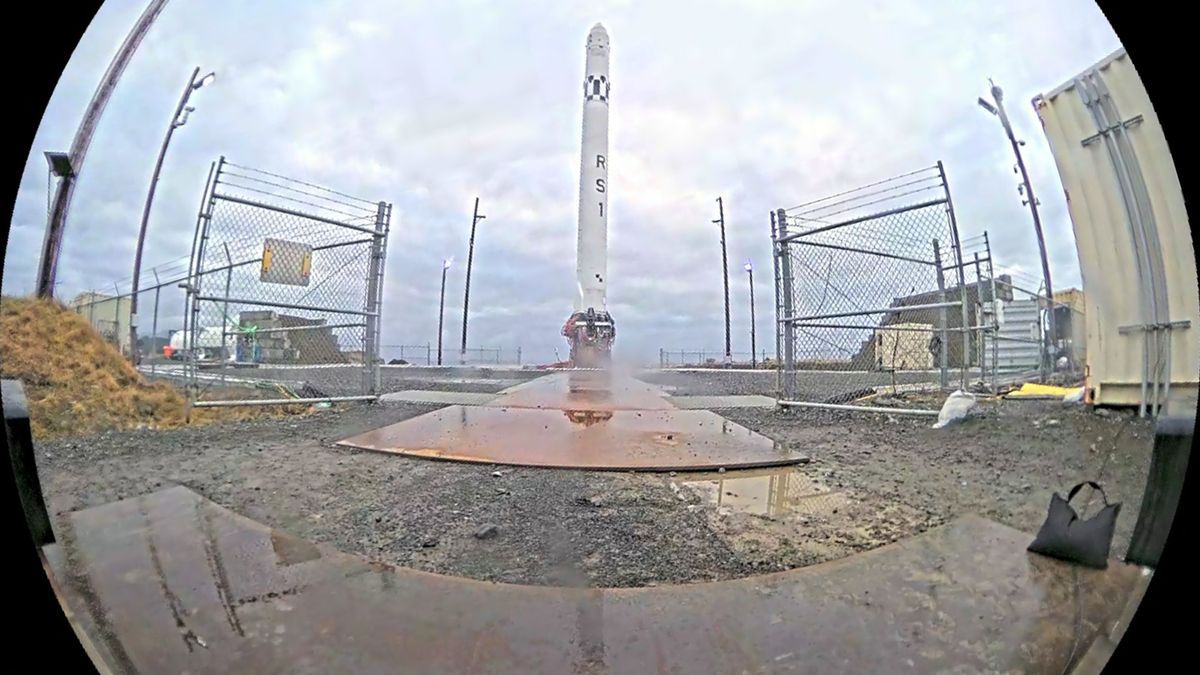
[596, 390]
[647, 440]
[171, 582]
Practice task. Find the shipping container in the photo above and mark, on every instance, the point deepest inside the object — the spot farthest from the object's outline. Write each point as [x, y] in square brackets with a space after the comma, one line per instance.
[1141, 298]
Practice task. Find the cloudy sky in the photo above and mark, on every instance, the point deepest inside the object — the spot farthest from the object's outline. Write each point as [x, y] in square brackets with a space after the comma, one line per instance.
[428, 105]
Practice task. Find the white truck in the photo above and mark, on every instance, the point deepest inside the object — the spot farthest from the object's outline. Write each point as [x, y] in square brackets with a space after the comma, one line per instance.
[1136, 258]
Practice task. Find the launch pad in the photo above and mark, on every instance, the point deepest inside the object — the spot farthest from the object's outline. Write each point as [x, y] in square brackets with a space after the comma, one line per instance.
[596, 420]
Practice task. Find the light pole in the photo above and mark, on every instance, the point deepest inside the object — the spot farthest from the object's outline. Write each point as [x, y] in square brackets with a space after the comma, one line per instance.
[1027, 190]
[749, 267]
[725, 279]
[178, 120]
[475, 218]
[442, 306]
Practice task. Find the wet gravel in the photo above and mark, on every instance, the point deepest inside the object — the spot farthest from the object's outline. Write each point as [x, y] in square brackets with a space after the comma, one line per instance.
[890, 477]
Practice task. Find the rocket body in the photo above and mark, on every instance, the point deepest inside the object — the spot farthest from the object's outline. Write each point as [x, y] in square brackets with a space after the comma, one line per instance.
[592, 249]
[590, 329]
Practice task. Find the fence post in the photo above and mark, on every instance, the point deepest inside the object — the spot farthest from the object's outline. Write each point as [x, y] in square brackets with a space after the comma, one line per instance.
[978, 328]
[371, 371]
[154, 324]
[943, 356]
[789, 330]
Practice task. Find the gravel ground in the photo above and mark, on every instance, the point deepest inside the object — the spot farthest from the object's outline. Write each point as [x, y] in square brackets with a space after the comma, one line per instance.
[812, 386]
[879, 478]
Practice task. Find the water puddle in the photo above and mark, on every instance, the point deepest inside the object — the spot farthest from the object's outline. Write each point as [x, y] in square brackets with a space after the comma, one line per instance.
[774, 492]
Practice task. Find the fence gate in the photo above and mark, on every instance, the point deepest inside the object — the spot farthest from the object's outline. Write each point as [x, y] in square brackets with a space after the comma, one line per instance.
[872, 294]
[285, 283]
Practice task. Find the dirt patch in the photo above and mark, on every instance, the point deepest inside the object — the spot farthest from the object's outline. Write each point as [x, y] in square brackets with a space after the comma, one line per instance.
[77, 383]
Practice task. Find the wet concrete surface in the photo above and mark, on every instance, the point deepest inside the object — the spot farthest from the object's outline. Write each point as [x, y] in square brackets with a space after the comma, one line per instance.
[170, 582]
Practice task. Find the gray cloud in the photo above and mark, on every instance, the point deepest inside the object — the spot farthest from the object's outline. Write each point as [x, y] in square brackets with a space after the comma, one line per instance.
[767, 104]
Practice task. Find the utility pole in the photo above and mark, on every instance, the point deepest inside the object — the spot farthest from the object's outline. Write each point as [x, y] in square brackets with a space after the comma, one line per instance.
[52, 244]
[442, 308]
[178, 120]
[725, 279]
[750, 270]
[475, 218]
[1026, 189]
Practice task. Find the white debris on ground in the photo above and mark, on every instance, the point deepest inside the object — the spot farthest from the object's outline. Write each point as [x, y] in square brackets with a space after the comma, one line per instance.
[956, 408]
[1074, 397]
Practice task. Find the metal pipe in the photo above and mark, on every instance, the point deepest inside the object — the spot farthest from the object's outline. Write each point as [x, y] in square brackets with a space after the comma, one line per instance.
[868, 252]
[943, 342]
[288, 329]
[285, 305]
[787, 374]
[862, 219]
[858, 408]
[868, 312]
[154, 326]
[291, 212]
[281, 401]
[891, 328]
[962, 279]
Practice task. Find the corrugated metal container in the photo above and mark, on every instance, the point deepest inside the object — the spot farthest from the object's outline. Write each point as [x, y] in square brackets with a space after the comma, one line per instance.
[1017, 350]
[1131, 231]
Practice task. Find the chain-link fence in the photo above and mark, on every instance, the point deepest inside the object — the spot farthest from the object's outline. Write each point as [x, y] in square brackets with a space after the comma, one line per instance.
[872, 295]
[712, 358]
[284, 275]
[427, 355]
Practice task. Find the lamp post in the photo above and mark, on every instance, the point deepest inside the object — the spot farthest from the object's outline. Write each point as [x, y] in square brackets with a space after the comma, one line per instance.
[442, 306]
[179, 119]
[475, 218]
[1027, 190]
[749, 267]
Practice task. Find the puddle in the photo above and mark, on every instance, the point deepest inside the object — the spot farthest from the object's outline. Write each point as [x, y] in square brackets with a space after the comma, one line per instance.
[772, 492]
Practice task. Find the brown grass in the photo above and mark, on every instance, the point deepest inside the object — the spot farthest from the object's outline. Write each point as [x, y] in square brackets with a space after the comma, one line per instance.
[78, 384]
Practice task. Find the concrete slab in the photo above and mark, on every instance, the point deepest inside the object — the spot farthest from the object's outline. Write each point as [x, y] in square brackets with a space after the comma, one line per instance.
[446, 397]
[171, 582]
[717, 402]
[584, 390]
[646, 440]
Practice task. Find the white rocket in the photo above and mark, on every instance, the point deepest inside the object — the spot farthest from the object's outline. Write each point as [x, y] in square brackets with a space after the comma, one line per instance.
[592, 249]
[590, 329]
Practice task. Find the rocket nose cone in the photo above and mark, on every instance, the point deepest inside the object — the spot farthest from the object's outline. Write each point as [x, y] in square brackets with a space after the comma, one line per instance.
[597, 37]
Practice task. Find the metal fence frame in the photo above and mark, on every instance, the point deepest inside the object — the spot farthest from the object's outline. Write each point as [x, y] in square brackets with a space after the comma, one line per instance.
[231, 187]
[925, 191]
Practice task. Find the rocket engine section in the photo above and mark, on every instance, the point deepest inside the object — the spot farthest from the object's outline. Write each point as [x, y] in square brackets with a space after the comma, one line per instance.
[590, 329]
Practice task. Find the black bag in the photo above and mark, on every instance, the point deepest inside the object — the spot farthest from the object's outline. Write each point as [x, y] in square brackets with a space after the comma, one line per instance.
[1066, 537]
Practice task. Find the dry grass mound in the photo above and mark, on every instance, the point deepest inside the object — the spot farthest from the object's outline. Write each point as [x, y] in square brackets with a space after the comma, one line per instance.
[78, 384]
